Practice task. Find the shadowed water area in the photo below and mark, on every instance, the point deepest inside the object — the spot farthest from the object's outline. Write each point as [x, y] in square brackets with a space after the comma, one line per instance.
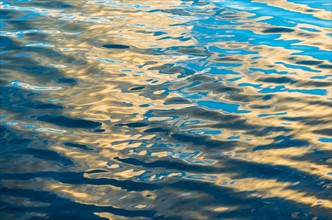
[157, 109]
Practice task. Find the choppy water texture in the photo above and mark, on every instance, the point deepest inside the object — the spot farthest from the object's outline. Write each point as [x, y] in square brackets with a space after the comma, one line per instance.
[170, 109]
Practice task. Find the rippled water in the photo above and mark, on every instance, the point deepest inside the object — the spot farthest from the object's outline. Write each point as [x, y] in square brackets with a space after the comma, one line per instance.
[158, 109]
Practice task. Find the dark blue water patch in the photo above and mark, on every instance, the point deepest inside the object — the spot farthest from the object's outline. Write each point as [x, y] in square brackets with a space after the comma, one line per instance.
[282, 173]
[62, 208]
[133, 125]
[308, 62]
[5, 42]
[170, 165]
[137, 88]
[278, 80]
[5, 133]
[45, 155]
[65, 80]
[233, 137]
[224, 196]
[5, 14]
[54, 210]
[323, 103]
[11, 140]
[325, 66]
[267, 97]
[259, 106]
[269, 211]
[263, 131]
[47, 106]
[249, 169]
[315, 84]
[218, 194]
[165, 38]
[65, 6]
[177, 100]
[204, 140]
[116, 46]
[161, 217]
[283, 142]
[20, 100]
[271, 114]
[99, 130]
[158, 33]
[320, 157]
[81, 146]
[227, 59]
[17, 141]
[321, 77]
[38, 70]
[326, 131]
[36, 105]
[65, 121]
[96, 171]
[157, 130]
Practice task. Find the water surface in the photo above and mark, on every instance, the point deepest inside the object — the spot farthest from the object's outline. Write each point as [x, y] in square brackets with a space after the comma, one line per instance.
[154, 109]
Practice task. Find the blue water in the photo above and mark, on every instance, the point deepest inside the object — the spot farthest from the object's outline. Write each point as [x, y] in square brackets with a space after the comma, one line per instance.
[151, 109]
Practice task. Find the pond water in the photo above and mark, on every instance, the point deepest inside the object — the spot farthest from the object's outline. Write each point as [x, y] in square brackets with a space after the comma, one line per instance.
[166, 109]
